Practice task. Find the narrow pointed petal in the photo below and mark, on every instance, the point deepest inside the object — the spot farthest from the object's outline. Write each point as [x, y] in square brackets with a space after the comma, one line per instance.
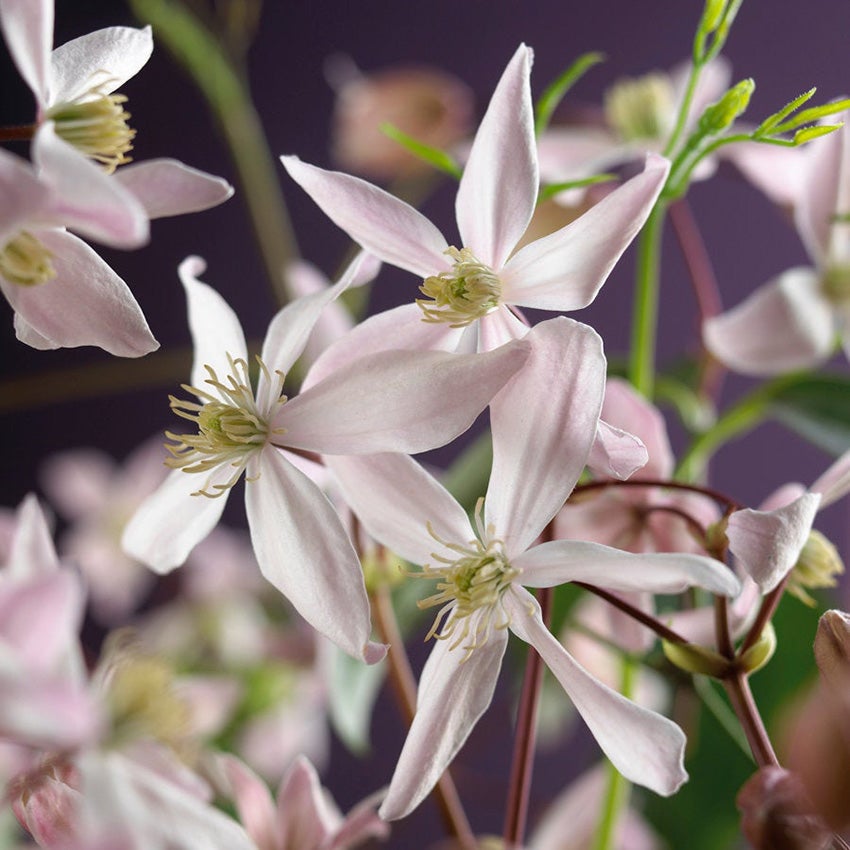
[787, 324]
[171, 522]
[28, 29]
[454, 691]
[167, 187]
[616, 453]
[835, 482]
[427, 399]
[31, 552]
[109, 56]
[25, 197]
[544, 421]
[382, 224]
[304, 552]
[306, 816]
[560, 561]
[779, 172]
[254, 803]
[766, 544]
[394, 498]
[216, 331]
[85, 304]
[498, 191]
[645, 747]
[565, 270]
[88, 200]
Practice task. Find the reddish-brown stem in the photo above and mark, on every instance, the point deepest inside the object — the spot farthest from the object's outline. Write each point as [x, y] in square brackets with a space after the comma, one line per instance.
[523, 757]
[716, 495]
[721, 627]
[697, 527]
[738, 688]
[20, 133]
[768, 607]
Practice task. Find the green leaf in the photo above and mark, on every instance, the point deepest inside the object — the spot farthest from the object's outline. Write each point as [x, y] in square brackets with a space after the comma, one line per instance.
[815, 113]
[806, 134]
[772, 120]
[554, 94]
[433, 156]
[552, 189]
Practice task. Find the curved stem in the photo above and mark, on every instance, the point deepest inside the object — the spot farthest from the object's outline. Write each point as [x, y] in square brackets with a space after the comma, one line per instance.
[708, 492]
[18, 133]
[738, 688]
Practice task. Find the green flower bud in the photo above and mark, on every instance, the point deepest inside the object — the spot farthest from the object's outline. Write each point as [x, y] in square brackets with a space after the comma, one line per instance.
[720, 115]
[760, 652]
[693, 658]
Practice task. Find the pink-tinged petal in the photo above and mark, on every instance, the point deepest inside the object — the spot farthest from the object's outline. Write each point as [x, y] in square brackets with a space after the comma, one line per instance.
[783, 496]
[31, 552]
[616, 453]
[645, 747]
[787, 324]
[107, 57]
[254, 803]
[398, 329]
[216, 331]
[454, 691]
[171, 522]
[304, 552]
[544, 423]
[394, 498]
[85, 304]
[25, 197]
[498, 190]
[427, 399]
[360, 823]
[766, 544]
[560, 561]
[306, 816]
[28, 29]
[779, 172]
[87, 200]
[166, 187]
[565, 270]
[77, 482]
[834, 483]
[382, 224]
[499, 328]
[571, 153]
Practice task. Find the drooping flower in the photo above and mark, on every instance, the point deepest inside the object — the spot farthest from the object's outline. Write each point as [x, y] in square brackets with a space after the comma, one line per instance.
[543, 425]
[426, 399]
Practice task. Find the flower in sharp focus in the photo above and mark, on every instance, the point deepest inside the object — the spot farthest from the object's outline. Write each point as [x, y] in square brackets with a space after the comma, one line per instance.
[427, 399]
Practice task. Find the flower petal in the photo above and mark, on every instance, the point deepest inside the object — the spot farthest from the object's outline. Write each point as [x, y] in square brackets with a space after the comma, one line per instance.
[31, 551]
[835, 482]
[253, 801]
[767, 543]
[498, 190]
[304, 552]
[25, 197]
[454, 691]
[616, 453]
[382, 224]
[645, 747]
[108, 56]
[560, 561]
[785, 325]
[544, 422]
[28, 29]
[85, 304]
[167, 187]
[306, 815]
[427, 399]
[565, 270]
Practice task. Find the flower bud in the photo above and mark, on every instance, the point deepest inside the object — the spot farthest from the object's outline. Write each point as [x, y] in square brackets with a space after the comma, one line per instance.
[693, 658]
[720, 115]
[818, 565]
[760, 652]
[832, 649]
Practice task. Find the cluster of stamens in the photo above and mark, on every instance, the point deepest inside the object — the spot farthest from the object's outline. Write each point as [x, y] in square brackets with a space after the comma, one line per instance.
[25, 261]
[835, 284]
[231, 427]
[468, 291]
[96, 124]
[640, 108]
[469, 588]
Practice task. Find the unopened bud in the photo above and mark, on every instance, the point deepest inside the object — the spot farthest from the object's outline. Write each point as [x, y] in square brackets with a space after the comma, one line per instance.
[760, 652]
[720, 115]
[693, 658]
[817, 567]
[832, 648]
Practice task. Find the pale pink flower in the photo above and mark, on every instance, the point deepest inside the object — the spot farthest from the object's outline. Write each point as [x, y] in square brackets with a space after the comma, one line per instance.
[543, 424]
[387, 400]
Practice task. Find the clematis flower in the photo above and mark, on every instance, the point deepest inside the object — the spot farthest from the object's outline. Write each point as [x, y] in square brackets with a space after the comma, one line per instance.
[470, 292]
[427, 399]
[792, 321]
[543, 425]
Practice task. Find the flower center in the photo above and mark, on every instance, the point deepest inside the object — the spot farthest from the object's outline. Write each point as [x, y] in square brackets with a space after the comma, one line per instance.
[231, 427]
[835, 284]
[469, 588]
[26, 261]
[640, 108]
[468, 291]
[96, 124]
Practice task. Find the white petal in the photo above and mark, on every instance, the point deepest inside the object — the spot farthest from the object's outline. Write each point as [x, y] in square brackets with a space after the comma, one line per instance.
[498, 328]
[645, 747]
[560, 561]
[785, 325]
[31, 550]
[304, 552]
[454, 691]
[85, 304]
[498, 190]
[28, 29]
[544, 423]
[835, 482]
[779, 172]
[394, 498]
[381, 223]
[616, 453]
[427, 399]
[565, 270]
[166, 187]
[107, 56]
[216, 331]
[767, 543]
[25, 197]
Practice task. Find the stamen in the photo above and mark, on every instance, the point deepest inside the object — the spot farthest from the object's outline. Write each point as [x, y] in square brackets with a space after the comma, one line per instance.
[835, 284]
[26, 261]
[467, 292]
[640, 108]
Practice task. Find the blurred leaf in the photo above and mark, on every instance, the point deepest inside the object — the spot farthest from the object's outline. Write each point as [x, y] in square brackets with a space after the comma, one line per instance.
[552, 189]
[353, 688]
[555, 91]
[433, 156]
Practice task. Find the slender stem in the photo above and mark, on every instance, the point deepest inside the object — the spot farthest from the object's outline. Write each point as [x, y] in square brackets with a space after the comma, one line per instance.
[708, 492]
[404, 684]
[697, 528]
[523, 758]
[738, 688]
[684, 109]
[721, 628]
[645, 321]
[721, 712]
[21, 132]
[768, 606]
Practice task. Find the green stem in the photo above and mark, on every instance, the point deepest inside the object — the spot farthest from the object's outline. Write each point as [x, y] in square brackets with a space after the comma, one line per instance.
[645, 321]
[684, 110]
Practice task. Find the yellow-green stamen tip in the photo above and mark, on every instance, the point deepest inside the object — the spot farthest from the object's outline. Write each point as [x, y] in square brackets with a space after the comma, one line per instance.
[468, 291]
[26, 261]
[640, 108]
[835, 284]
[817, 567]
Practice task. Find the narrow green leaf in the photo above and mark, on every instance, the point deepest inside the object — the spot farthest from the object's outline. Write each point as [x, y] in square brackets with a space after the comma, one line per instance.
[552, 189]
[772, 120]
[806, 134]
[433, 156]
[556, 90]
[815, 113]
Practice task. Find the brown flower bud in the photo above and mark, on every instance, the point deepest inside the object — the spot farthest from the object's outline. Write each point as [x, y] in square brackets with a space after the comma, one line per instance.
[832, 649]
